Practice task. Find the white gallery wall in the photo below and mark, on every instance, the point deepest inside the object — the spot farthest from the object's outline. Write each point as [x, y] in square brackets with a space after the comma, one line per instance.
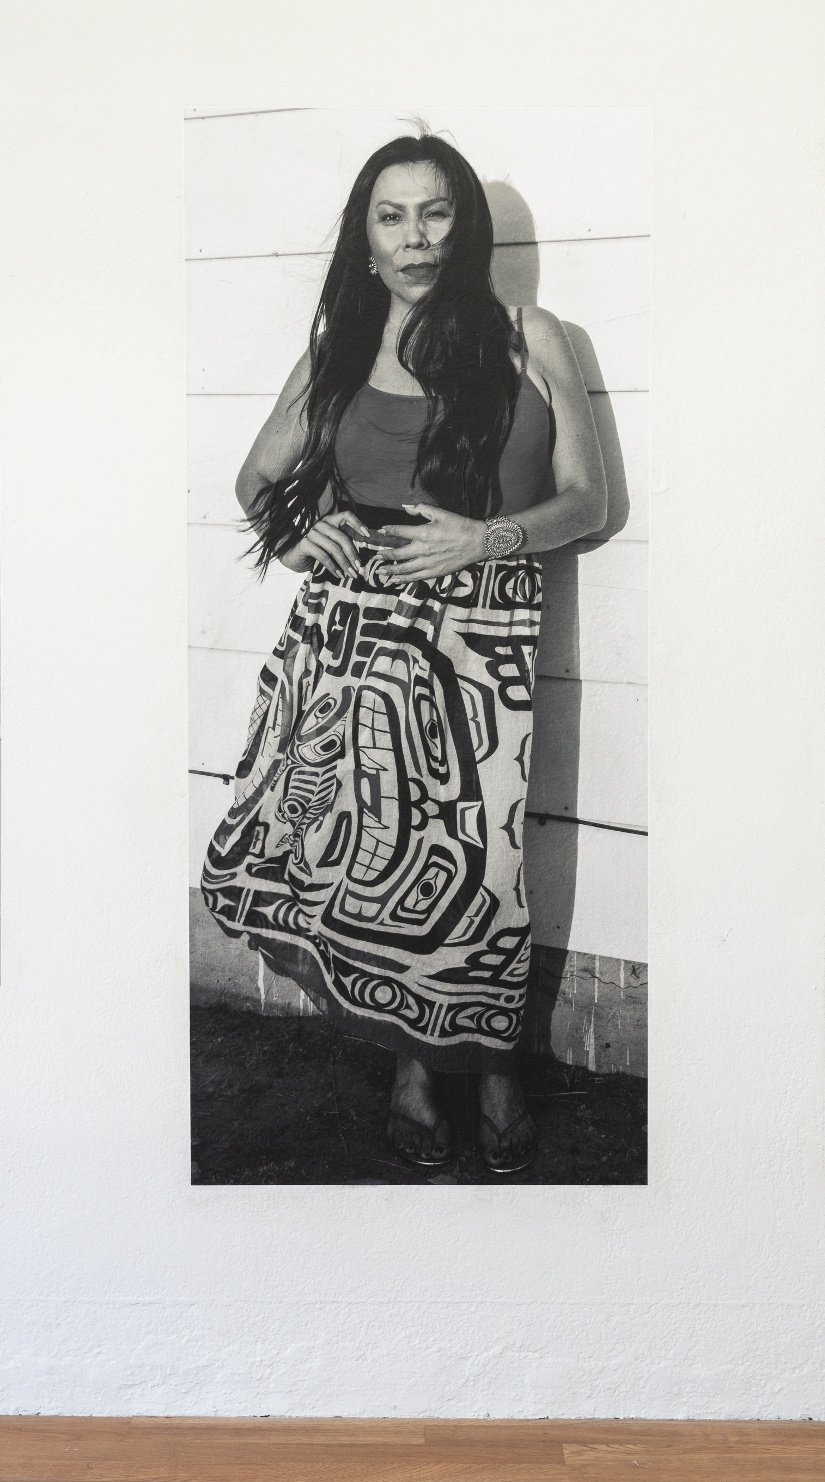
[570, 191]
[124, 1290]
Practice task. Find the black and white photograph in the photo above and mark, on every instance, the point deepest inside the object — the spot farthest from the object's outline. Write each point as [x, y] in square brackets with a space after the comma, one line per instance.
[412, 702]
[418, 475]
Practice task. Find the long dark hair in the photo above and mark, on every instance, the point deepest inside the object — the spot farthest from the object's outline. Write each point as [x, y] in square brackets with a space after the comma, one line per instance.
[455, 342]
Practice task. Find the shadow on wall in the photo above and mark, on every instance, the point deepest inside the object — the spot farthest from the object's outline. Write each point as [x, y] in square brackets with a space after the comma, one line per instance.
[516, 255]
[550, 834]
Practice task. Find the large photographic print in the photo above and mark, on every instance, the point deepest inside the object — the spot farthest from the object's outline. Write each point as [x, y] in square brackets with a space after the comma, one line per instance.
[418, 504]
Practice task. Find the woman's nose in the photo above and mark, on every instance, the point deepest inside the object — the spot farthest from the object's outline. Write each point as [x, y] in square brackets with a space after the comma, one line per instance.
[415, 234]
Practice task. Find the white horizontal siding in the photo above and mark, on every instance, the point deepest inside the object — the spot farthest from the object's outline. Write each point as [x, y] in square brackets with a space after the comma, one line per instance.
[617, 564]
[587, 889]
[228, 606]
[276, 181]
[589, 757]
[609, 643]
[209, 800]
[594, 618]
[249, 321]
[220, 432]
[604, 288]
[631, 416]
[222, 689]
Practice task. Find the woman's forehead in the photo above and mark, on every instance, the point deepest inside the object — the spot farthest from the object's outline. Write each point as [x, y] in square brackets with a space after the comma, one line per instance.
[408, 183]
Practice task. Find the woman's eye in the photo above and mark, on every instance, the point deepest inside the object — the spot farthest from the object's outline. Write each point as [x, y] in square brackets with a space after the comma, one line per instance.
[389, 216]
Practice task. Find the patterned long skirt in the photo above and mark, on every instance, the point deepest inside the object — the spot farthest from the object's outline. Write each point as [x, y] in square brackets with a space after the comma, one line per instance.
[376, 832]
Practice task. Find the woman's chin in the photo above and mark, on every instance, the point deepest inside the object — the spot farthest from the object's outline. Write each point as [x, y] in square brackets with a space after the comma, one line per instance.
[411, 293]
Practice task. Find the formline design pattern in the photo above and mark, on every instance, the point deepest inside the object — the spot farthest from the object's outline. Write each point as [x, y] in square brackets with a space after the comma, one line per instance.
[380, 800]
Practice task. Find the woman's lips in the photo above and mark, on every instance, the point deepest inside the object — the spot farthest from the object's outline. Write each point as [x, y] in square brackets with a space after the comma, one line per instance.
[420, 272]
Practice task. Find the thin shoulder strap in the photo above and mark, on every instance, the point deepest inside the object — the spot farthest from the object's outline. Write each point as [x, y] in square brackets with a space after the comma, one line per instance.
[522, 341]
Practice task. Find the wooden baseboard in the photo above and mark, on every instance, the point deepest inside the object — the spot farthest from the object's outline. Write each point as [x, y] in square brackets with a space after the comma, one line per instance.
[67, 1449]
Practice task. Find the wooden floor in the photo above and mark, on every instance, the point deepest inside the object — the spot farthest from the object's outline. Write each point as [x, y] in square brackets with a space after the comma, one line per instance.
[34, 1449]
[58, 1450]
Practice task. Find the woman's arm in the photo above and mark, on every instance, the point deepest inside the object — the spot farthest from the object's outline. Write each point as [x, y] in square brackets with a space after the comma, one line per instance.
[274, 454]
[448, 542]
[278, 446]
[580, 506]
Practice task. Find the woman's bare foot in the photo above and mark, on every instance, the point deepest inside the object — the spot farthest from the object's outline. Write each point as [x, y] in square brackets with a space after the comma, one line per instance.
[416, 1126]
[503, 1104]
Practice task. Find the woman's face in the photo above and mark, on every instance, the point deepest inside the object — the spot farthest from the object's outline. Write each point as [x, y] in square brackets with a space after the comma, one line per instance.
[409, 215]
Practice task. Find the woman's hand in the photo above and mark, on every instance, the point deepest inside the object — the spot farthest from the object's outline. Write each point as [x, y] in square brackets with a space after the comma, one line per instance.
[448, 542]
[328, 543]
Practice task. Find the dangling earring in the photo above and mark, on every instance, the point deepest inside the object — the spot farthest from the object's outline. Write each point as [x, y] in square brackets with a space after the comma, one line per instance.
[373, 266]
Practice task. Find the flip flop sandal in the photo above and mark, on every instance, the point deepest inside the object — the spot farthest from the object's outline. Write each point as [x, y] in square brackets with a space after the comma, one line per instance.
[421, 1127]
[504, 1167]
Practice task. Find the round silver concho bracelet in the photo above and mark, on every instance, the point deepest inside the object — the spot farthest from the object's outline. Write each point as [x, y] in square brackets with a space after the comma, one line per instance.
[503, 538]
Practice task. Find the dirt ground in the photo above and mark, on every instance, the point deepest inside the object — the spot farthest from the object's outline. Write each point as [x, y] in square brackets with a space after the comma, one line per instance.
[295, 1101]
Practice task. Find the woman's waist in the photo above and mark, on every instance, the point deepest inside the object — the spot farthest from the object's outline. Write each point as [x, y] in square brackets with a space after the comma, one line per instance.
[514, 502]
[377, 516]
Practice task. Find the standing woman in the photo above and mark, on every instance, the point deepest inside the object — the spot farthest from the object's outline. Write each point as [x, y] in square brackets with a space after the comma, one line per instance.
[423, 451]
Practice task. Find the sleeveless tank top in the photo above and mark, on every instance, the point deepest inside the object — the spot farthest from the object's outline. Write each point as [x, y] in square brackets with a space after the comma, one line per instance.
[378, 439]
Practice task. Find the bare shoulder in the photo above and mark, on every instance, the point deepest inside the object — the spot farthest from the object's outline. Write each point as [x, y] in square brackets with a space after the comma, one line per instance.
[299, 375]
[293, 395]
[549, 346]
[540, 324]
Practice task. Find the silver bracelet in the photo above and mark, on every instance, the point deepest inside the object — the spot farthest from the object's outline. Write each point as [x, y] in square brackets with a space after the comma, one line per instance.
[503, 537]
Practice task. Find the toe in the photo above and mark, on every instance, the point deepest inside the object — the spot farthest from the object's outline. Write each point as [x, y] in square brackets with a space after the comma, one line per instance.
[398, 1134]
[523, 1133]
[417, 1141]
[440, 1142]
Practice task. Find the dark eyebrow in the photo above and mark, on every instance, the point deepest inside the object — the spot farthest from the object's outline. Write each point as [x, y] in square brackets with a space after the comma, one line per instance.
[436, 201]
